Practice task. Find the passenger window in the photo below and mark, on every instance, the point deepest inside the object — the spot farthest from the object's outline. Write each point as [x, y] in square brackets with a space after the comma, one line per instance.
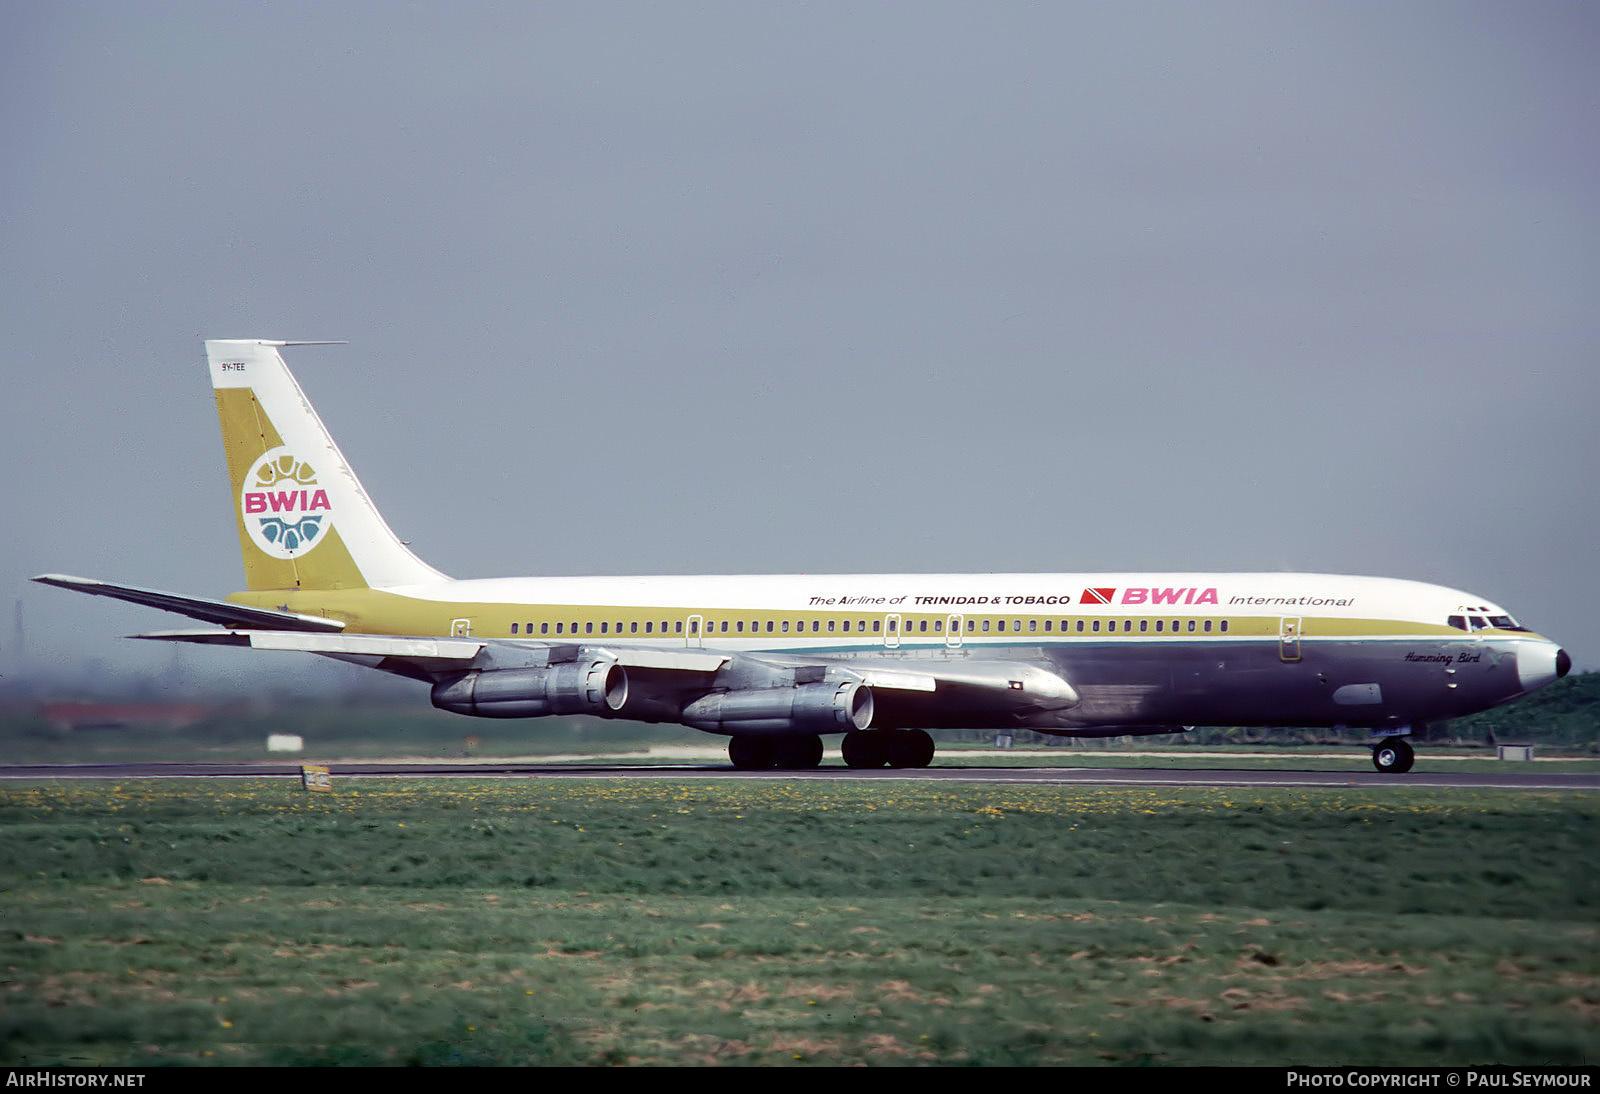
[876, 624]
[1208, 626]
[1158, 626]
[1047, 623]
[1095, 626]
[847, 626]
[938, 626]
[544, 628]
[923, 626]
[678, 627]
[513, 628]
[1001, 626]
[830, 626]
[1033, 625]
[602, 628]
[985, 626]
[1224, 626]
[649, 626]
[1144, 626]
[972, 625]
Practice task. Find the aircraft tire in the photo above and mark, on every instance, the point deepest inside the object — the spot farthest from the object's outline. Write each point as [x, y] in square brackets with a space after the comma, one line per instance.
[910, 748]
[751, 753]
[798, 753]
[1393, 756]
[863, 749]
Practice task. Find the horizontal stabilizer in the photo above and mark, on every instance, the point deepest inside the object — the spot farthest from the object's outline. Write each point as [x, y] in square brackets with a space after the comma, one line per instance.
[350, 645]
[445, 649]
[208, 611]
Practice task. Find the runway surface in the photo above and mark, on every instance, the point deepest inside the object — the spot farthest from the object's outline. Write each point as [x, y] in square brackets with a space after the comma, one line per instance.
[1063, 776]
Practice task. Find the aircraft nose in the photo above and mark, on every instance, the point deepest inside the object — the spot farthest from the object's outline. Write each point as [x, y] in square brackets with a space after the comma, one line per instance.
[1541, 663]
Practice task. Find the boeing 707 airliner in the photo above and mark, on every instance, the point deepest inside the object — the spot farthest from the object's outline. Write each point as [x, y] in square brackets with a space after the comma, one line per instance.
[776, 663]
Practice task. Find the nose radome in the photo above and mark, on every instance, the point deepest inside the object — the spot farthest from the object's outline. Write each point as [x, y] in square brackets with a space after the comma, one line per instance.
[1541, 663]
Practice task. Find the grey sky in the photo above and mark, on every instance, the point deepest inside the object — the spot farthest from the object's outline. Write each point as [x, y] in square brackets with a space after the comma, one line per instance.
[667, 288]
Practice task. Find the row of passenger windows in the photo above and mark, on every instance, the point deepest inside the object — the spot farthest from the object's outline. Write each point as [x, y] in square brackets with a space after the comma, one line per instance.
[912, 626]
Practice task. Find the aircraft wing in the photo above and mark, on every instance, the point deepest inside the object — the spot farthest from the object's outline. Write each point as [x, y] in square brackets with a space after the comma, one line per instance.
[663, 684]
[208, 611]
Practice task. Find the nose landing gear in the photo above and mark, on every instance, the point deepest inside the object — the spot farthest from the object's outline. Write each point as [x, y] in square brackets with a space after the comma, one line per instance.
[1393, 756]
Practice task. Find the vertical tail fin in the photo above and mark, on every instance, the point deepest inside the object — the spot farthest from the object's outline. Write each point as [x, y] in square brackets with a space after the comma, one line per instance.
[304, 520]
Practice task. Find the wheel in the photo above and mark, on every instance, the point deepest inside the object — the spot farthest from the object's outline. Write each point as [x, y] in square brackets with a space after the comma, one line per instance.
[797, 753]
[910, 748]
[751, 753]
[1393, 756]
[863, 749]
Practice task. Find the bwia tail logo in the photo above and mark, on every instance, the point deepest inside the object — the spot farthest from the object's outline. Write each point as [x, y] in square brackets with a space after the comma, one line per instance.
[284, 510]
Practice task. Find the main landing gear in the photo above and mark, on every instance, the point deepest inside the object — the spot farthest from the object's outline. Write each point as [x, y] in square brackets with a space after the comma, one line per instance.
[895, 747]
[1393, 756]
[762, 753]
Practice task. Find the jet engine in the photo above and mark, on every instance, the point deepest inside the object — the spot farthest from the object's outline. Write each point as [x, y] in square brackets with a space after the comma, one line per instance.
[585, 686]
[828, 707]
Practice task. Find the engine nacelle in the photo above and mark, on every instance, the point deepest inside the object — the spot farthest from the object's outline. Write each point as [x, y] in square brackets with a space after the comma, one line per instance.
[587, 686]
[835, 707]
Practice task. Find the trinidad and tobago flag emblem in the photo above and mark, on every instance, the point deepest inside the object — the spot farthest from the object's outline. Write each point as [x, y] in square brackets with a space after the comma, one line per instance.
[1097, 596]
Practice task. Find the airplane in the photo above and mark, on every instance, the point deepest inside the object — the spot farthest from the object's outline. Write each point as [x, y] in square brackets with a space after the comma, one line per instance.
[774, 663]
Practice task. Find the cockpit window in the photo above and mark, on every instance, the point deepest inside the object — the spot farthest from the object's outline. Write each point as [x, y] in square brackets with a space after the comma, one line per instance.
[1484, 622]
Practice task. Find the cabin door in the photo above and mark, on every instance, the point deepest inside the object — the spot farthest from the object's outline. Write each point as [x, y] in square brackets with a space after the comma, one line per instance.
[891, 631]
[1289, 638]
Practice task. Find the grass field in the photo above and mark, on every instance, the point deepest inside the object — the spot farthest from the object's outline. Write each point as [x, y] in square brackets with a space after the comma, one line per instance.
[520, 921]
